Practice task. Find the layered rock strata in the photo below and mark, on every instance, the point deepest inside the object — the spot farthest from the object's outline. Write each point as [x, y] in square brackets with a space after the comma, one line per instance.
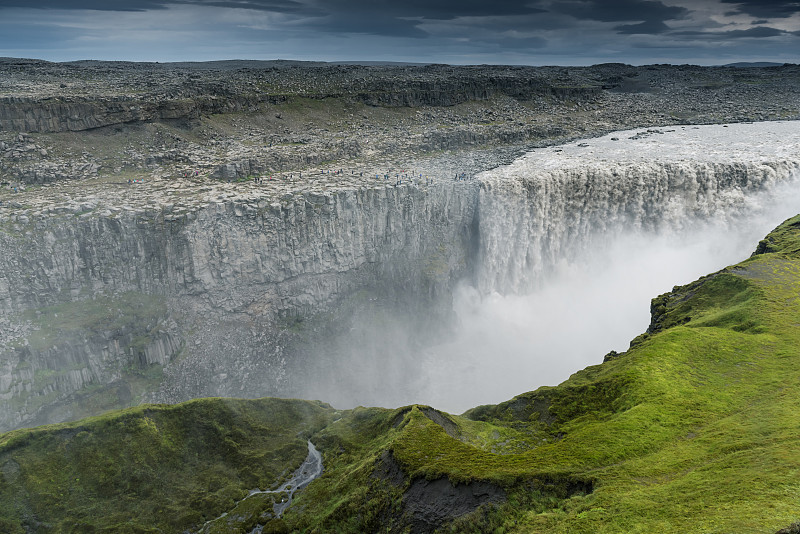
[232, 274]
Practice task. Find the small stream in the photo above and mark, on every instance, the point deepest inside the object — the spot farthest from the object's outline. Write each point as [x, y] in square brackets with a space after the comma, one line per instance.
[310, 469]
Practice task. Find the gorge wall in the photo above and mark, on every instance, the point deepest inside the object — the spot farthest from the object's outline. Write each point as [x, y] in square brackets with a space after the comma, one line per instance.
[70, 114]
[81, 96]
[245, 294]
[222, 289]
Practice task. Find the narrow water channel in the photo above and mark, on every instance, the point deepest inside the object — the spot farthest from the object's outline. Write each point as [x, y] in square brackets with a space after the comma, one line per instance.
[310, 469]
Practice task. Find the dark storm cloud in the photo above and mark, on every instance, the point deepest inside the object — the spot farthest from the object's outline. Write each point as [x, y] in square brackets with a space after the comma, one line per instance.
[652, 14]
[759, 32]
[652, 27]
[389, 18]
[403, 19]
[620, 10]
[277, 6]
[457, 31]
[765, 9]
[100, 5]
[431, 9]
[534, 22]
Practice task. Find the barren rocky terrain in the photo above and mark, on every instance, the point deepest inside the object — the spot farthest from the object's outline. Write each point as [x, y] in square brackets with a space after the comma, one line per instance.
[231, 120]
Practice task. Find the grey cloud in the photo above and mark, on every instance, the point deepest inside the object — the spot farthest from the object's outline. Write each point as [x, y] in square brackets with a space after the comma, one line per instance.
[391, 18]
[433, 9]
[647, 27]
[404, 19]
[429, 9]
[620, 10]
[430, 30]
[277, 6]
[759, 32]
[98, 5]
[388, 18]
[765, 9]
[522, 23]
[478, 35]
[652, 14]
[368, 24]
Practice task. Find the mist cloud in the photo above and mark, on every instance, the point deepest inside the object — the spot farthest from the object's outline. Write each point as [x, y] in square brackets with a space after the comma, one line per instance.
[507, 345]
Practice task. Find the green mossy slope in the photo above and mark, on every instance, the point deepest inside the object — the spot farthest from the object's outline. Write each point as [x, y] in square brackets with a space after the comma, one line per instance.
[694, 429]
[151, 468]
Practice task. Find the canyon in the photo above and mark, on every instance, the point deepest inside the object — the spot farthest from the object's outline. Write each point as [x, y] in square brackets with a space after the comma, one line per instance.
[175, 243]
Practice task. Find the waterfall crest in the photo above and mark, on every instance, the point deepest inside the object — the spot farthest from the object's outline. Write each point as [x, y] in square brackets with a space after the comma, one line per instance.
[551, 204]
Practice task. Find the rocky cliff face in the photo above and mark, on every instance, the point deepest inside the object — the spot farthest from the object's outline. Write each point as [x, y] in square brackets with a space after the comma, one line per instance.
[217, 288]
[233, 120]
[76, 97]
[74, 113]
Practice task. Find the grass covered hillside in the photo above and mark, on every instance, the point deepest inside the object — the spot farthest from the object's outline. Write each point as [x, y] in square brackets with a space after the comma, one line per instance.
[696, 428]
[150, 468]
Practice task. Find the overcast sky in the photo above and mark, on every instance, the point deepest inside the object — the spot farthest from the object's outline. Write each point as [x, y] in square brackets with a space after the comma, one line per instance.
[534, 32]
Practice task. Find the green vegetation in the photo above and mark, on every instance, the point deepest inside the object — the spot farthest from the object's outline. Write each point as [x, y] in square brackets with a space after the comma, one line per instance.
[694, 429]
[151, 468]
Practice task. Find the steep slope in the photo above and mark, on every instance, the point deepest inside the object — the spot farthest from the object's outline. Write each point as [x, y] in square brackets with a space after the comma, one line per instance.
[693, 429]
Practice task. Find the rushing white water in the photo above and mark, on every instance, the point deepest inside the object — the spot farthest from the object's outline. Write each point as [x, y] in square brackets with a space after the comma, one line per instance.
[596, 302]
[574, 241]
[575, 244]
[554, 203]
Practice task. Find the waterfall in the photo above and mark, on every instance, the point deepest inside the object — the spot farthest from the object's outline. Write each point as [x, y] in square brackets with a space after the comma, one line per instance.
[573, 245]
[549, 206]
